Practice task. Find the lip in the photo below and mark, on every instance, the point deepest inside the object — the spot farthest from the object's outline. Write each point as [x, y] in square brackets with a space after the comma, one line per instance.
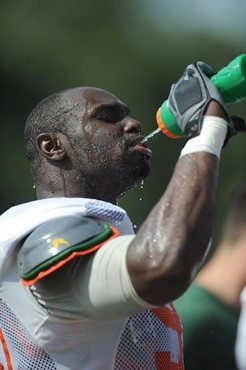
[140, 147]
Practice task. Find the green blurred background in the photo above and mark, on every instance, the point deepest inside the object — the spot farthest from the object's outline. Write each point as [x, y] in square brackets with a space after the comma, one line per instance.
[133, 48]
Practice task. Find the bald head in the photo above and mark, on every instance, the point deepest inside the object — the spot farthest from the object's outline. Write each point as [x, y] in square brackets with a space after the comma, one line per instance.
[53, 114]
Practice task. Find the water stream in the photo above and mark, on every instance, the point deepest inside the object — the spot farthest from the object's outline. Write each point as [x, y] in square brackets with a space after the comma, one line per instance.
[152, 134]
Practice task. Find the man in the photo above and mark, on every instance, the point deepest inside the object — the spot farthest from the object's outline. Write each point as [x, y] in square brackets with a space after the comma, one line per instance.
[85, 292]
[209, 310]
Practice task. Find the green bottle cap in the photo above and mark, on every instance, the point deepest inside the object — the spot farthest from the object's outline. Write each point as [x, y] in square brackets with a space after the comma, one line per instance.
[167, 122]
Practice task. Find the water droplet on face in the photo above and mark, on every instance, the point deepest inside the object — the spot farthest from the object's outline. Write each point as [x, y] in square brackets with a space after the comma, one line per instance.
[142, 184]
[140, 198]
[34, 186]
[134, 226]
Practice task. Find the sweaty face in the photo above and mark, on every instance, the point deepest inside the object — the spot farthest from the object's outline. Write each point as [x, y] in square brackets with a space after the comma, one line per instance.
[107, 143]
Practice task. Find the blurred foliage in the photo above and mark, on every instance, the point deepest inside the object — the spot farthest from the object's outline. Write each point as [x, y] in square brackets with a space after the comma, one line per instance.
[47, 46]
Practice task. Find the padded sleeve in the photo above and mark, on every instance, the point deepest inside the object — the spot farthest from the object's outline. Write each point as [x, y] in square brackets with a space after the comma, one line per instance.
[58, 241]
[98, 287]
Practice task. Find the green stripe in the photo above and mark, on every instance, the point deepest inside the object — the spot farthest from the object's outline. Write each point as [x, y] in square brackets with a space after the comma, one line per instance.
[104, 235]
[169, 120]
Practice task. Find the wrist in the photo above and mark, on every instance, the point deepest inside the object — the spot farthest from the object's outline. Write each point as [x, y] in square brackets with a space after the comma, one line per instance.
[215, 109]
[211, 138]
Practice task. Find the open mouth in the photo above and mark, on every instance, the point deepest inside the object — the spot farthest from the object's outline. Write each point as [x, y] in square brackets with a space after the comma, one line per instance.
[142, 148]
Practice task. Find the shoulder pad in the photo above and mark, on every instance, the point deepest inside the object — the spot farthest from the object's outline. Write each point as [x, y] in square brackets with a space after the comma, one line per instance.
[55, 242]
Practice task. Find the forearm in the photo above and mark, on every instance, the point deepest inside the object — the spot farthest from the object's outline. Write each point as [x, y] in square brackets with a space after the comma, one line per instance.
[172, 242]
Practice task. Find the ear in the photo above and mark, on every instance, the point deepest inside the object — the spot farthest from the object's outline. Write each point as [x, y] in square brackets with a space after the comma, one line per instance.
[51, 146]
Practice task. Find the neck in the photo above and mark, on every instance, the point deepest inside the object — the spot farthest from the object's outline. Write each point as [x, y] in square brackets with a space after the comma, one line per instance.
[224, 276]
[46, 193]
[71, 186]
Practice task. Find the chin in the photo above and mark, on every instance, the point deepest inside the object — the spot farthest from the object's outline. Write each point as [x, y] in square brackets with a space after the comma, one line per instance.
[138, 166]
[137, 173]
[143, 172]
[133, 182]
[141, 169]
[131, 172]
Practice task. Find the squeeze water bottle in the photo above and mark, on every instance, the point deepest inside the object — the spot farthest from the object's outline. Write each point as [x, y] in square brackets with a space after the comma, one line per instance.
[231, 83]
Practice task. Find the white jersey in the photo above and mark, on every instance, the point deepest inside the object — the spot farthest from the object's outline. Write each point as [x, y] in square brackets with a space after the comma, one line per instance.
[33, 337]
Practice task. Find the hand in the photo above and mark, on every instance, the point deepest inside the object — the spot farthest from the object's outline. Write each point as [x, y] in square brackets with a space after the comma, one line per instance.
[190, 97]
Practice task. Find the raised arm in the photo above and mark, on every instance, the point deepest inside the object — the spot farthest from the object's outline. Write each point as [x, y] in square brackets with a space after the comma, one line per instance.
[168, 249]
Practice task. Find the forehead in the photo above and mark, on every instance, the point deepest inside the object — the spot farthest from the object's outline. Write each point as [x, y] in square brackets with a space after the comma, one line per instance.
[94, 98]
[88, 101]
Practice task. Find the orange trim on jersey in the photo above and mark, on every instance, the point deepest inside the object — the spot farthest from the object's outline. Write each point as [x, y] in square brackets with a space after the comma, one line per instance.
[6, 351]
[171, 320]
[163, 361]
[73, 255]
[168, 316]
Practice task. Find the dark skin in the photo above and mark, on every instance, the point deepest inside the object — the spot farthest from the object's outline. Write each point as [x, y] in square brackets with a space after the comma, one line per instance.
[164, 257]
[107, 155]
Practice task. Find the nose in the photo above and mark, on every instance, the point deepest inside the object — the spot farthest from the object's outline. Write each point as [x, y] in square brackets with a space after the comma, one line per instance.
[132, 126]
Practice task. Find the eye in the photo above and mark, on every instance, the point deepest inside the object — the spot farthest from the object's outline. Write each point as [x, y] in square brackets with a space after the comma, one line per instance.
[111, 115]
[107, 117]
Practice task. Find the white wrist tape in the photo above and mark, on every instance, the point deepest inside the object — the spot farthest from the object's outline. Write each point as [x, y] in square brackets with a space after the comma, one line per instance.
[211, 138]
